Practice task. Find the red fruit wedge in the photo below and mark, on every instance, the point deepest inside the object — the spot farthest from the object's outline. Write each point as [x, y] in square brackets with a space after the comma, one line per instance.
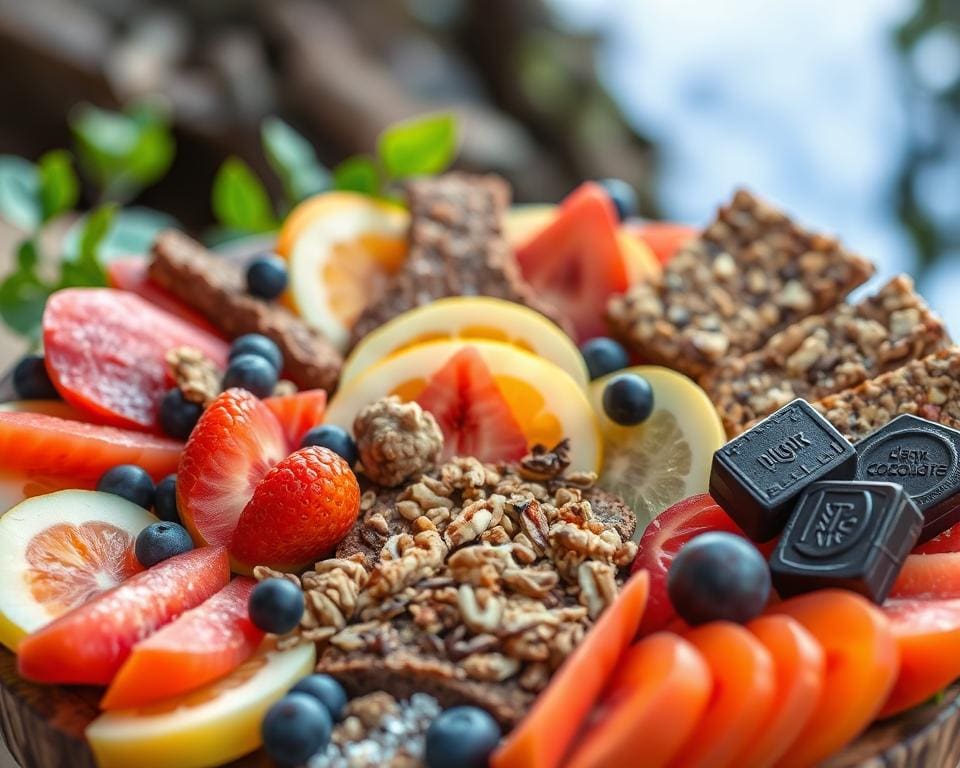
[235, 443]
[664, 538]
[576, 262]
[106, 349]
[205, 643]
[946, 541]
[90, 644]
[934, 576]
[298, 413]
[928, 635]
[664, 238]
[34, 443]
[552, 725]
[471, 411]
[132, 274]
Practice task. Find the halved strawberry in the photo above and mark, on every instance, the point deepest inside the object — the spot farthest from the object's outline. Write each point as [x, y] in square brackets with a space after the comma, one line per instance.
[106, 352]
[298, 413]
[205, 643]
[576, 262]
[471, 411]
[235, 443]
[664, 238]
[48, 446]
[299, 512]
[133, 274]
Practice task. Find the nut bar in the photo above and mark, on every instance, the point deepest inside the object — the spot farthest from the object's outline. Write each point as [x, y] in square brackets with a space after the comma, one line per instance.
[215, 286]
[752, 273]
[928, 388]
[457, 248]
[828, 353]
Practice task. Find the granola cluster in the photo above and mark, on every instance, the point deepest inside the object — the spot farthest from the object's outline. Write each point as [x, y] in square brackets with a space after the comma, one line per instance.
[194, 374]
[493, 575]
[396, 441]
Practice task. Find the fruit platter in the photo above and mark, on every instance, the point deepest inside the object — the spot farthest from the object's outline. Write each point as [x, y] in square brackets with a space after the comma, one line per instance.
[445, 482]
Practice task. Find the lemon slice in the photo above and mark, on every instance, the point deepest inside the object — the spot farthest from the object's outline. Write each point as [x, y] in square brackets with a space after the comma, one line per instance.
[666, 458]
[208, 727]
[341, 248]
[469, 317]
[59, 550]
[492, 399]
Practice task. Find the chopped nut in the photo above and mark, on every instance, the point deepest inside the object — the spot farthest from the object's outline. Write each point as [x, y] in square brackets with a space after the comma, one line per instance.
[490, 667]
[396, 441]
[195, 375]
[371, 709]
[598, 587]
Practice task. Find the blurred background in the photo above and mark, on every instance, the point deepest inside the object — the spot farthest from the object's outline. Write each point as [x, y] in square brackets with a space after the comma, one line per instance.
[845, 113]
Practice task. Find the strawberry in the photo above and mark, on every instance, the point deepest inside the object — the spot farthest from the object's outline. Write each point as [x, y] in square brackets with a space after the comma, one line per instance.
[298, 413]
[235, 443]
[299, 512]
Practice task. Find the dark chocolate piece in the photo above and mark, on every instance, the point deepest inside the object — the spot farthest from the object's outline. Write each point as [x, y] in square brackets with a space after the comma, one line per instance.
[758, 476]
[923, 457]
[848, 535]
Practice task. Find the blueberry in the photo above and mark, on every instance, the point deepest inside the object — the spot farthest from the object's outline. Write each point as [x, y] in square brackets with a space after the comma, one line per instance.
[628, 399]
[295, 729]
[258, 344]
[718, 576]
[178, 416]
[130, 482]
[253, 373]
[623, 195]
[160, 541]
[267, 277]
[31, 380]
[327, 691]
[276, 606]
[603, 355]
[165, 502]
[462, 737]
[334, 438]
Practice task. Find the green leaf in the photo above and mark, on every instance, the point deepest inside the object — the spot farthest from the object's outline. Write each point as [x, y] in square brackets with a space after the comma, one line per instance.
[240, 200]
[59, 187]
[23, 294]
[20, 193]
[94, 232]
[357, 174]
[133, 232]
[422, 146]
[294, 160]
[28, 256]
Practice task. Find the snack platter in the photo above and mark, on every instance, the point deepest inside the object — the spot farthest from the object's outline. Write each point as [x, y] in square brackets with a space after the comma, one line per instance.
[427, 512]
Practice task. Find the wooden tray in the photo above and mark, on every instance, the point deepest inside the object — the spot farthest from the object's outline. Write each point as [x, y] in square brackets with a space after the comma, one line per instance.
[43, 728]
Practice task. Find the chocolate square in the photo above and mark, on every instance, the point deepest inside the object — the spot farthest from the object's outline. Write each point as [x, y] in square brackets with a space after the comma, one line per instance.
[923, 457]
[849, 535]
[758, 476]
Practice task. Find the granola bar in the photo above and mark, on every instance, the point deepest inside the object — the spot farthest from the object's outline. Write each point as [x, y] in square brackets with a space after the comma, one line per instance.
[457, 248]
[828, 353]
[215, 286]
[752, 273]
[928, 388]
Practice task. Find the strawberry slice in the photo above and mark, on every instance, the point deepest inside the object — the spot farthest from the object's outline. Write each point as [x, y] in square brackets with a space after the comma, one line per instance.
[106, 352]
[90, 644]
[472, 413]
[664, 238]
[133, 274]
[575, 262]
[298, 413]
[48, 446]
[299, 512]
[205, 643]
[235, 443]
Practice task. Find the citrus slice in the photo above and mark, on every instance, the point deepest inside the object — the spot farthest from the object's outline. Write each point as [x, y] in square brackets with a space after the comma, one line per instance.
[341, 247]
[483, 393]
[469, 317]
[666, 458]
[210, 726]
[59, 551]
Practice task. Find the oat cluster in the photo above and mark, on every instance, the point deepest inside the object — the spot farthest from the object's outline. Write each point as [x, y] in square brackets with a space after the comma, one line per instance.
[396, 441]
[194, 374]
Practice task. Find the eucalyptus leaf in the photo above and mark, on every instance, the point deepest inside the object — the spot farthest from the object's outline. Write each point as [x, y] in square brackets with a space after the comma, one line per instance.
[20, 193]
[240, 200]
[421, 146]
[357, 174]
[59, 187]
[294, 160]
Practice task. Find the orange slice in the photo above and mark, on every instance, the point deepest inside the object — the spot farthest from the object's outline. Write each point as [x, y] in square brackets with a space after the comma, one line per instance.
[60, 550]
[468, 317]
[484, 393]
[341, 248]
